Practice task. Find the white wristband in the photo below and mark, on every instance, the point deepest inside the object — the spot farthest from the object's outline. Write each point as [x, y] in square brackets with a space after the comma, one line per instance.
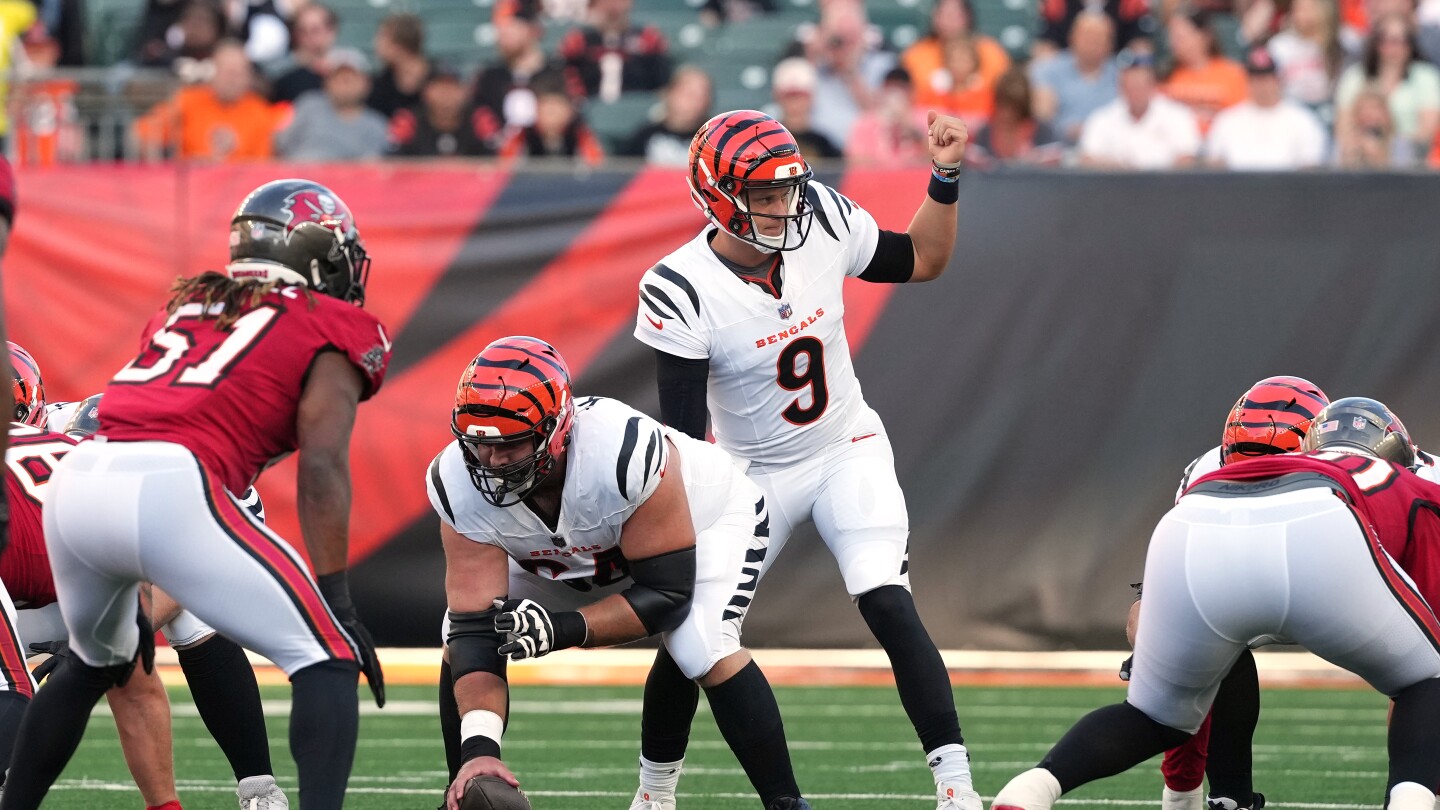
[481, 723]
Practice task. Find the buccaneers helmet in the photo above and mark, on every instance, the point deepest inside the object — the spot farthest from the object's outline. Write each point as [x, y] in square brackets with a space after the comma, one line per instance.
[740, 154]
[1270, 418]
[85, 422]
[1359, 424]
[299, 232]
[28, 390]
[516, 389]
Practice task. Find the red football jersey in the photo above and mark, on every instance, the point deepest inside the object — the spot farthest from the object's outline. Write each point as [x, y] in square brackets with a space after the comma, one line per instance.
[25, 565]
[230, 396]
[1402, 509]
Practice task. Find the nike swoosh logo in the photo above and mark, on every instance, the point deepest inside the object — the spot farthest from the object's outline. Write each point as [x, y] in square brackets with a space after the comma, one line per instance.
[861, 438]
[657, 324]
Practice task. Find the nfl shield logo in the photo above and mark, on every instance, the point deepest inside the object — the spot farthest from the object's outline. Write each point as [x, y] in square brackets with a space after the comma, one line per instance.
[1358, 422]
[786, 311]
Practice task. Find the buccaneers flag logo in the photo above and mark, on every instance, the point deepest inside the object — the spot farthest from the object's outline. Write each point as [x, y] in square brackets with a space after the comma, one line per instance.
[314, 206]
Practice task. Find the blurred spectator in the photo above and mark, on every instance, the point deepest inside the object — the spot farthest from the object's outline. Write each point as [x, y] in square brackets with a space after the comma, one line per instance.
[850, 63]
[223, 120]
[335, 123]
[1411, 87]
[1078, 81]
[16, 16]
[192, 37]
[46, 120]
[1372, 142]
[686, 101]
[1269, 132]
[1131, 17]
[1203, 79]
[262, 25]
[718, 12]
[1141, 129]
[441, 126]
[503, 99]
[1307, 52]
[966, 94]
[1357, 18]
[793, 84]
[613, 55]
[558, 131]
[64, 22]
[1014, 135]
[894, 132]
[400, 47]
[314, 31]
[952, 20]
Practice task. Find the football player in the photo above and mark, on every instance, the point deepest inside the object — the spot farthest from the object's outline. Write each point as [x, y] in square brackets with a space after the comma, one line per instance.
[1336, 549]
[238, 369]
[748, 315]
[587, 524]
[220, 677]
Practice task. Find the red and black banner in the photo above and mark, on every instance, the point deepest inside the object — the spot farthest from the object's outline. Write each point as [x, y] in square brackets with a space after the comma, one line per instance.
[1043, 397]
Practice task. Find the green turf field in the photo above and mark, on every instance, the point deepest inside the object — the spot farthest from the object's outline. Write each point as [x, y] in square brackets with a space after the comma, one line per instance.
[853, 748]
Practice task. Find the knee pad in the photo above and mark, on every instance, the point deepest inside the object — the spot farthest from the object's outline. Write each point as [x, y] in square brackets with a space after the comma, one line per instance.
[871, 564]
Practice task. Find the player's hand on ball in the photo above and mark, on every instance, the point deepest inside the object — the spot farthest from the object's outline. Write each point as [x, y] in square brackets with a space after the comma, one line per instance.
[947, 137]
[531, 631]
[461, 788]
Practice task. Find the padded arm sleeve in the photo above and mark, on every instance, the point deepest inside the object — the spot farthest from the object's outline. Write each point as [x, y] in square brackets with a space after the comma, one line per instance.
[662, 589]
[474, 644]
[894, 259]
[682, 384]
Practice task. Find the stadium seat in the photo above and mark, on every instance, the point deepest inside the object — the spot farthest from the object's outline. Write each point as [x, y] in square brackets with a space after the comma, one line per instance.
[614, 122]
[111, 27]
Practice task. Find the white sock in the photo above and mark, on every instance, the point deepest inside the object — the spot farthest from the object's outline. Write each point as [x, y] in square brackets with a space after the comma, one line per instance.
[660, 778]
[1183, 799]
[1035, 789]
[950, 764]
[1411, 796]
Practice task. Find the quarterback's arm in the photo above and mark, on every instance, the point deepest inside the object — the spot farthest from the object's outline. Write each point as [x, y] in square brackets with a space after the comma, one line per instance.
[323, 424]
[682, 383]
[932, 231]
[659, 543]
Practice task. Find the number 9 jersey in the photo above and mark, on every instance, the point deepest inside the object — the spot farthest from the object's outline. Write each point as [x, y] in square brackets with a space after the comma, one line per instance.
[782, 385]
[230, 395]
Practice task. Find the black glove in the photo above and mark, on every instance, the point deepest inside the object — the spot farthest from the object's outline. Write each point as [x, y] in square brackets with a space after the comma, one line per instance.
[57, 650]
[1125, 668]
[336, 590]
[532, 631]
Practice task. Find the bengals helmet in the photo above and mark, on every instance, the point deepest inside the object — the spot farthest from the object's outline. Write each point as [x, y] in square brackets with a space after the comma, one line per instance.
[1359, 424]
[299, 232]
[28, 390]
[516, 389]
[739, 154]
[1270, 418]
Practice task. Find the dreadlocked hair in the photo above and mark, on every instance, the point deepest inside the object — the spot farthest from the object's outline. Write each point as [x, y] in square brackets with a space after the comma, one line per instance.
[210, 288]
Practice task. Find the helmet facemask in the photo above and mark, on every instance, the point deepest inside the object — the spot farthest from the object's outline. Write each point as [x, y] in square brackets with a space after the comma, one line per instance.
[508, 484]
[746, 196]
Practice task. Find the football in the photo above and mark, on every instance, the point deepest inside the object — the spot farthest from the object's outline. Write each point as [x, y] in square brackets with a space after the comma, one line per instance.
[492, 793]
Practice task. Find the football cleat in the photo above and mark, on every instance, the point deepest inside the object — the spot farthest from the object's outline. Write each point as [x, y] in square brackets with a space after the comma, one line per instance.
[651, 801]
[261, 793]
[788, 803]
[951, 796]
[1257, 801]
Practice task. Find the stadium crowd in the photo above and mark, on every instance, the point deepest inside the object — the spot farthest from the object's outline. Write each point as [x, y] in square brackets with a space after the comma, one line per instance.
[1137, 84]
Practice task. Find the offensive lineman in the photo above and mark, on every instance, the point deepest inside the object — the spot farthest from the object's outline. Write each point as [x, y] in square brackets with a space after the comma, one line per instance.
[1334, 549]
[221, 680]
[238, 369]
[587, 524]
[749, 314]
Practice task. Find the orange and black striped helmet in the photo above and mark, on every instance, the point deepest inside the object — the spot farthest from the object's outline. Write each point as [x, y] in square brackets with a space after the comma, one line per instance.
[28, 390]
[742, 153]
[517, 389]
[1272, 417]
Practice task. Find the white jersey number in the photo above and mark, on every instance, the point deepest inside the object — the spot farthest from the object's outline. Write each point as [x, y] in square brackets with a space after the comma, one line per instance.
[802, 365]
[175, 341]
[1373, 475]
[33, 463]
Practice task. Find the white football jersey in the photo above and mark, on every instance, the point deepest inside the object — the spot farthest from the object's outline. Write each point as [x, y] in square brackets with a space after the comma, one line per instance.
[1210, 462]
[782, 385]
[58, 414]
[617, 457]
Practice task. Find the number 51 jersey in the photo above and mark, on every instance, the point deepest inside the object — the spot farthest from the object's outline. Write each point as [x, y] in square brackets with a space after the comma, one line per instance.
[231, 395]
[782, 385]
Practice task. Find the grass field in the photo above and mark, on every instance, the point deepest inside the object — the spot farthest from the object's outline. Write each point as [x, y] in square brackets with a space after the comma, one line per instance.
[575, 748]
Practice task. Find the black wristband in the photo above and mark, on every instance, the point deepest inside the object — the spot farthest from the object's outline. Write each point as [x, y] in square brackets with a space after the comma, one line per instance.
[571, 629]
[942, 190]
[336, 590]
[479, 746]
